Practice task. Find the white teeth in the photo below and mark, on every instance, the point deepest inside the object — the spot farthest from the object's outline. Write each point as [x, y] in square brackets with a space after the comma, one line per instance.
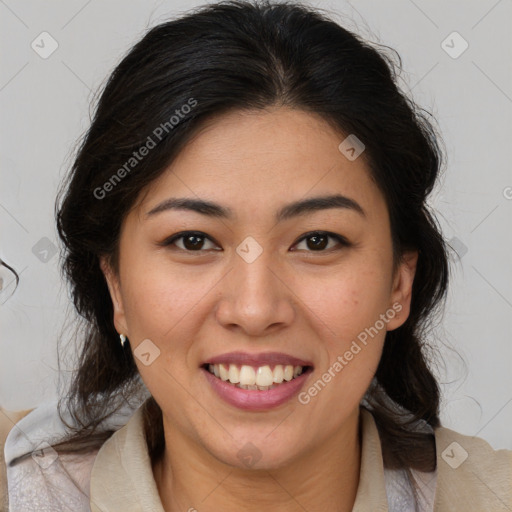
[262, 377]
[288, 372]
[234, 374]
[278, 374]
[247, 376]
[223, 372]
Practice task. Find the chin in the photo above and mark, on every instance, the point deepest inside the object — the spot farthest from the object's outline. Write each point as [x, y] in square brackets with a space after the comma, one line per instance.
[256, 454]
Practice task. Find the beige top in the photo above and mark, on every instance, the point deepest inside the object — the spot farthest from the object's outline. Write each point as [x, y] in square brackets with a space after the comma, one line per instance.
[122, 477]
[470, 477]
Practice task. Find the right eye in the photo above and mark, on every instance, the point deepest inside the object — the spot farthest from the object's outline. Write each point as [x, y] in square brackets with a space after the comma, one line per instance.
[193, 241]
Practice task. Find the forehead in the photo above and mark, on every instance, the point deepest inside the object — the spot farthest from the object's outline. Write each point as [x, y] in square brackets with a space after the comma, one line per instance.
[254, 161]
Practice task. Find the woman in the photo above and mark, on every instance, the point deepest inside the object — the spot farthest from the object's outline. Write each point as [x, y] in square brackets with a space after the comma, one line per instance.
[249, 246]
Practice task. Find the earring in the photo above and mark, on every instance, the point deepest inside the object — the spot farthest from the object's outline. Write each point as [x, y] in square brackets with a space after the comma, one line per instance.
[123, 339]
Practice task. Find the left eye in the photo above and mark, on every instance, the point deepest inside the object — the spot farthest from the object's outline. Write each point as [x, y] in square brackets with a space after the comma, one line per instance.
[320, 240]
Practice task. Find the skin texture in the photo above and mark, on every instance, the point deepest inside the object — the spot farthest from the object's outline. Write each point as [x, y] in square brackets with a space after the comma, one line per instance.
[307, 302]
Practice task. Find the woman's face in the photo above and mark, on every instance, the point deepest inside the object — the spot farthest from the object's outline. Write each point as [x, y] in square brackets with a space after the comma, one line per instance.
[257, 284]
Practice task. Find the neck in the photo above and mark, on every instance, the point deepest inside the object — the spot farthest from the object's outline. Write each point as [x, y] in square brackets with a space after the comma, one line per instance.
[325, 478]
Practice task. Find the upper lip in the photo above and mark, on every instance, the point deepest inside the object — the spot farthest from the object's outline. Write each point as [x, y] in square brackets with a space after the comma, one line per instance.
[264, 358]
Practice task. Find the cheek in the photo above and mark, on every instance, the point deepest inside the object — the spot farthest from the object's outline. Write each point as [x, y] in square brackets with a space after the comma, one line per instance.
[347, 311]
[345, 316]
[163, 307]
[347, 301]
[157, 297]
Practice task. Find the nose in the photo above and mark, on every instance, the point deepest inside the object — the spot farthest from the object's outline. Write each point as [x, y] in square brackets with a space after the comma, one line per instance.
[255, 297]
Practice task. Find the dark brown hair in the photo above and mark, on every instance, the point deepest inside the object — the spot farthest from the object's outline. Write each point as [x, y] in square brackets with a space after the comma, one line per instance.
[239, 56]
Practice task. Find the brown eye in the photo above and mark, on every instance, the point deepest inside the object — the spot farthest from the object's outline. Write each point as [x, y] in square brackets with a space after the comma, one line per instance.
[318, 241]
[192, 241]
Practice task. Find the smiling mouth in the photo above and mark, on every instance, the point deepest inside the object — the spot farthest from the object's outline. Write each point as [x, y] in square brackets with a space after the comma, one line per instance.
[261, 378]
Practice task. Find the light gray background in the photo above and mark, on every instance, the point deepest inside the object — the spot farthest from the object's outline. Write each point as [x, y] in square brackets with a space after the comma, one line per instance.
[45, 108]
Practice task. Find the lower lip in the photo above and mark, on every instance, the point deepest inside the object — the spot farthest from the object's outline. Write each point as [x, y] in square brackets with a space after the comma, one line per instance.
[254, 399]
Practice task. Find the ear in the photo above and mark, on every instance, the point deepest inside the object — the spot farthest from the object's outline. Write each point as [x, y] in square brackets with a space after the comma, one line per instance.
[114, 288]
[401, 292]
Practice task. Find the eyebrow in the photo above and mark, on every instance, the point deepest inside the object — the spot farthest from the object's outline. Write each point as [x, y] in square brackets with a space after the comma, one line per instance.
[295, 209]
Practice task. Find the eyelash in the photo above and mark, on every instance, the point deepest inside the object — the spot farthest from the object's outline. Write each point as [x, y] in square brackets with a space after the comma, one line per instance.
[183, 234]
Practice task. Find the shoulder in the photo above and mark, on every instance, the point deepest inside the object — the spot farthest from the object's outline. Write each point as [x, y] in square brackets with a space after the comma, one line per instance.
[46, 481]
[7, 421]
[35, 476]
[39, 478]
[472, 476]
